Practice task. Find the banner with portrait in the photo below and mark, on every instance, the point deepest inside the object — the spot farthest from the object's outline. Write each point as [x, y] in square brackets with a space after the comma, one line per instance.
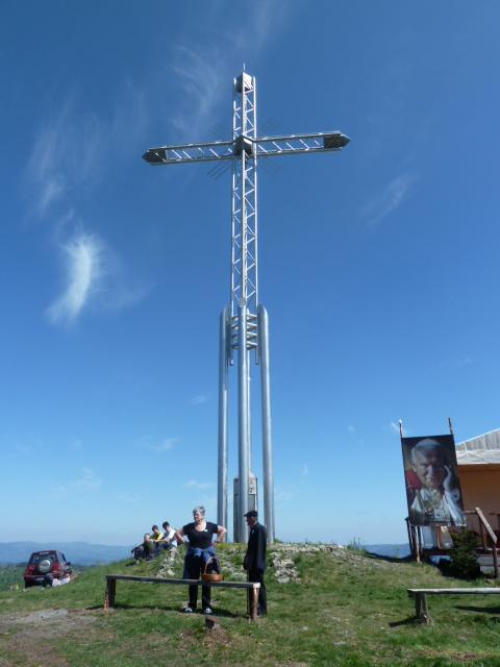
[432, 484]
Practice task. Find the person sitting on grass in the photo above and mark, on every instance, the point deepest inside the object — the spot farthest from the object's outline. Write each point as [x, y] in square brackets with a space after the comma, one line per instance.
[168, 542]
[144, 551]
[156, 538]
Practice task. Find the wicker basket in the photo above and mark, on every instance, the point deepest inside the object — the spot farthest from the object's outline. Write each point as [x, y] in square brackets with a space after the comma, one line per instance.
[210, 577]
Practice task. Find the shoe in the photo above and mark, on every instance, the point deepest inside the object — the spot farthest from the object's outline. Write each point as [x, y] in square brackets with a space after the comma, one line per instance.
[188, 610]
[208, 610]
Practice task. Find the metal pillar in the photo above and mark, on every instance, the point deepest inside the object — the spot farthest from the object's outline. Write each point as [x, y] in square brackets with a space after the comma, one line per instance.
[243, 444]
[267, 447]
[222, 480]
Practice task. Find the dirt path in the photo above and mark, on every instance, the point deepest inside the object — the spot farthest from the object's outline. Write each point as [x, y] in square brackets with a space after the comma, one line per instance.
[31, 640]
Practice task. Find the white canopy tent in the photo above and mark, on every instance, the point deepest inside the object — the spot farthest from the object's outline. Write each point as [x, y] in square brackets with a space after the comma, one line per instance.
[481, 450]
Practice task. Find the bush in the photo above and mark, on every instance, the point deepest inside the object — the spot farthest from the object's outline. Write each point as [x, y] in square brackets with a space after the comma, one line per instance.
[463, 556]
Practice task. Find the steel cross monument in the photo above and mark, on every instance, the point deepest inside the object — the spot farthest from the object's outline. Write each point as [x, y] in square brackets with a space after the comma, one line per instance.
[244, 326]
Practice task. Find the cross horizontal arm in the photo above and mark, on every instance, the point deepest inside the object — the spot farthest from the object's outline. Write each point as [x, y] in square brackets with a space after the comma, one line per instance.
[261, 147]
[300, 143]
[216, 150]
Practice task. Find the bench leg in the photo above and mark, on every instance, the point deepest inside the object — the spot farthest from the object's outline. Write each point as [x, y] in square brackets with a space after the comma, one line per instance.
[422, 612]
[254, 603]
[109, 598]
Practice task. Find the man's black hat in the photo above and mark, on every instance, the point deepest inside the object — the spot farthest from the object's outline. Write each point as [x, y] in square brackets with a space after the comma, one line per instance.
[252, 514]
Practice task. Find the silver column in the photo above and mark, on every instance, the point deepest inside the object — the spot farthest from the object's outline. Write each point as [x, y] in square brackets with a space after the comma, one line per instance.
[222, 479]
[267, 445]
[243, 444]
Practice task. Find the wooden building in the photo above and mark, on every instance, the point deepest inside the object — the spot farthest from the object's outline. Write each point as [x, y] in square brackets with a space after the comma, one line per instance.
[479, 470]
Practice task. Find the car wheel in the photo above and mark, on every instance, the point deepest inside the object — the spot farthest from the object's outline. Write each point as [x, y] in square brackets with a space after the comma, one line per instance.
[28, 584]
[45, 566]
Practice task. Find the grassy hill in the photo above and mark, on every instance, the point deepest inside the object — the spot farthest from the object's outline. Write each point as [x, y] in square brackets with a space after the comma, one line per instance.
[11, 576]
[345, 608]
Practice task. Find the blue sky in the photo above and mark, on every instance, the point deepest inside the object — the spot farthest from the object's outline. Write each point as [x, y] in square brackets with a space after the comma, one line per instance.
[378, 265]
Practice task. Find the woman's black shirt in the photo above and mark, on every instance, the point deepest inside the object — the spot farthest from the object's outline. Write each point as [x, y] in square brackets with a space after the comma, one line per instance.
[201, 539]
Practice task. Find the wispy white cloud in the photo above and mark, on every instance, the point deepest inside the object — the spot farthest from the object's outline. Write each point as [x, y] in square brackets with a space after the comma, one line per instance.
[199, 399]
[28, 446]
[118, 290]
[457, 362]
[64, 155]
[202, 83]
[390, 199]
[129, 497]
[92, 274]
[194, 484]
[75, 445]
[265, 20]
[351, 429]
[159, 447]
[68, 156]
[204, 72]
[84, 268]
[282, 496]
[130, 120]
[87, 482]
[51, 190]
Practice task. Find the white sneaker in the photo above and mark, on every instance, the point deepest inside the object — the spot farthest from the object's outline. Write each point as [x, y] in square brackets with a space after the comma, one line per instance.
[188, 610]
[208, 610]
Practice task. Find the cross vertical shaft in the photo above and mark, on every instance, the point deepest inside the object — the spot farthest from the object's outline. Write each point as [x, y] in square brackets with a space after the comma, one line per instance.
[244, 281]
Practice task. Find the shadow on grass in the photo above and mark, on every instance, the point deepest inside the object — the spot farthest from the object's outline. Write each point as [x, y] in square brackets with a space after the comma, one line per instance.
[411, 620]
[218, 613]
[482, 610]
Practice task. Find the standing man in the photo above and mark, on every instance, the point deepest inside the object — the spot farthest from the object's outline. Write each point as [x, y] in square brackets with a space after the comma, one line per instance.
[255, 557]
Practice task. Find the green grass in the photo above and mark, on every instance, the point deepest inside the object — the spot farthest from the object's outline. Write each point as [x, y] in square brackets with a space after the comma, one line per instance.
[349, 609]
[11, 576]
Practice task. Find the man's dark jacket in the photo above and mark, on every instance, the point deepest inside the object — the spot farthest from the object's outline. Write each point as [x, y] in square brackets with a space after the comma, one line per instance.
[255, 558]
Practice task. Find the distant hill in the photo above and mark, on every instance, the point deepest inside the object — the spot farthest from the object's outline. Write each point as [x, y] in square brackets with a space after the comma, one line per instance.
[79, 553]
[389, 550]
[84, 553]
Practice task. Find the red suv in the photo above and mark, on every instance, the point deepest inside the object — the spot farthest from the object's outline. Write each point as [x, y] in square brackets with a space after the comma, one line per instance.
[43, 563]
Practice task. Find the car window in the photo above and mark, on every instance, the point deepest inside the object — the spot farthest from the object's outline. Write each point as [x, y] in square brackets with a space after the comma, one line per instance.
[37, 557]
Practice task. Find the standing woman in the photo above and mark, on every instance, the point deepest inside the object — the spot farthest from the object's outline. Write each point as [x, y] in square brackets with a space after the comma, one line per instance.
[199, 551]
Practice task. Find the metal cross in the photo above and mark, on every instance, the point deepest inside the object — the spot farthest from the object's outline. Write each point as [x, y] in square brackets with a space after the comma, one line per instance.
[244, 322]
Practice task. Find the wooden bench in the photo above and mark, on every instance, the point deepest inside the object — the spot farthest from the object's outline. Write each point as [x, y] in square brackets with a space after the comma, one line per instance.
[420, 595]
[252, 587]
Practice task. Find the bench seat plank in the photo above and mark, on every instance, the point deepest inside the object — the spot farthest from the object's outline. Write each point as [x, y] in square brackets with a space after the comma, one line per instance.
[455, 591]
[184, 582]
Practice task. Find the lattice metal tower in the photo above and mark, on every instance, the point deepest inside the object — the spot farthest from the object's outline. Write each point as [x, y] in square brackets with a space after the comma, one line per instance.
[244, 326]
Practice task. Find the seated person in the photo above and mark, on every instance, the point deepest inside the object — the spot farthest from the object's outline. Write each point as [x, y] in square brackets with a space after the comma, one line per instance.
[156, 534]
[156, 538]
[168, 541]
[146, 550]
